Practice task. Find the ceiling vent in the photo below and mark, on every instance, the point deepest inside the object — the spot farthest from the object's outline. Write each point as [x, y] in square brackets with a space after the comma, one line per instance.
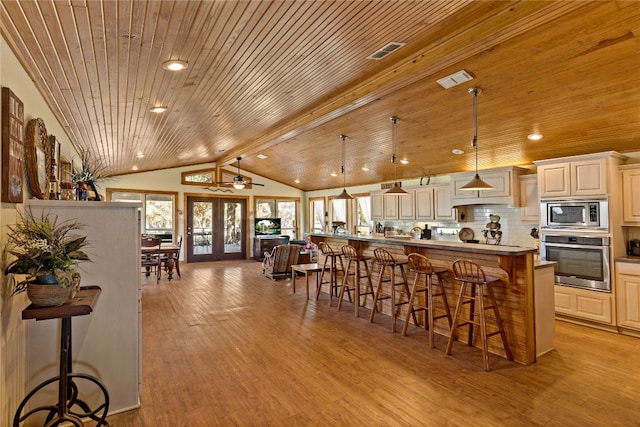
[391, 47]
[455, 79]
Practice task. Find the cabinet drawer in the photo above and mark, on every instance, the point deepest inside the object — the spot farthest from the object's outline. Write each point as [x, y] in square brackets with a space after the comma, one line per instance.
[628, 268]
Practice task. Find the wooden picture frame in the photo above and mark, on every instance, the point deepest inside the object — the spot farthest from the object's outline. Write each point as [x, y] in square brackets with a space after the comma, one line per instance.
[12, 147]
[37, 147]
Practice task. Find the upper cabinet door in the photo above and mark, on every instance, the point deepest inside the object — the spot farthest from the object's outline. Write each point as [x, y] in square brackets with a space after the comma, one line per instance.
[390, 203]
[406, 205]
[377, 205]
[589, 177]
[554, 180]
[631, 195]
[424, 204]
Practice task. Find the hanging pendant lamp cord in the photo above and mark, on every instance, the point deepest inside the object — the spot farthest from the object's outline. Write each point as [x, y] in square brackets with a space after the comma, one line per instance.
[393, 154]
[344, 177]
[474, 140]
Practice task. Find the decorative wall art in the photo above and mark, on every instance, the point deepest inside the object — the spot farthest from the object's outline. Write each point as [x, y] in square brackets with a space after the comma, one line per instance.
[37, 149]
[12, 147]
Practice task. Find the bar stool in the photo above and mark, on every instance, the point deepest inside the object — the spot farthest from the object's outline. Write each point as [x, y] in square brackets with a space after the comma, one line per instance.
[388, 264]
[332, 259]
[359, 263]
[471, 274]
[420, 265]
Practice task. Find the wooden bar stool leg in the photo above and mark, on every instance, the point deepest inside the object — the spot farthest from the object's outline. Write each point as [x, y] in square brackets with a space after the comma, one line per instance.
[376, 295]
[456, 318]
[345, 284]
[499, 322]
[411, 309]
[483, 327]
[405, 287]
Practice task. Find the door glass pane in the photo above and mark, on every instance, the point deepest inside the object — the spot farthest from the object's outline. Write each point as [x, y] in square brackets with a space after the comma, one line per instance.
[202, 227]
[232, 227]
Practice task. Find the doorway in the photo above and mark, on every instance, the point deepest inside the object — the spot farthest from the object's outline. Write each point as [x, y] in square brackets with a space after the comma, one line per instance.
[216, 228]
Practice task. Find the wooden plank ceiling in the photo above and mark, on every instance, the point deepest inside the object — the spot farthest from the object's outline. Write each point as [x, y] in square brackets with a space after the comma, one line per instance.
[286, 78]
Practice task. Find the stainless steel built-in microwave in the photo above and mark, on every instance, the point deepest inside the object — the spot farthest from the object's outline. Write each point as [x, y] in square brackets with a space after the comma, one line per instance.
[575, 214]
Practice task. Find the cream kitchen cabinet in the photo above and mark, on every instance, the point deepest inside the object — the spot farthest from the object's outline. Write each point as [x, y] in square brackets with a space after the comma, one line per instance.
[506, 187]
[587, 175]
[377, 205]
[584, 304]
[631, 194]
[434, 203]
[529, 200]
[424, 204]
[385, 206]
[628, 294]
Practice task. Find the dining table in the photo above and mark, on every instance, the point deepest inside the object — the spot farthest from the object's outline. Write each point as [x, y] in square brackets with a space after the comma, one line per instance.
[169, 249]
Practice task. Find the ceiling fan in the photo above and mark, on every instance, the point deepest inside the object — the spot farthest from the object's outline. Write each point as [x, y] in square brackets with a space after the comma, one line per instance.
[239, 182]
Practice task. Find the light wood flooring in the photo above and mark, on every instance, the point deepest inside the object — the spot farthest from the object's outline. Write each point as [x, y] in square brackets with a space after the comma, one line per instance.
[224, 346]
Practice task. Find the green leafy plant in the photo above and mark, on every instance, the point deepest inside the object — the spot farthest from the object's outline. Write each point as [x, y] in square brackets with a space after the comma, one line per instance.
[43, 246]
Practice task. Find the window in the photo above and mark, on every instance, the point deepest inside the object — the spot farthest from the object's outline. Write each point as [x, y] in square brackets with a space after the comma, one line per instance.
[199, 177]
[316, 215]
[158, 210]
[363, 214]
[285, 209]
[339, 214]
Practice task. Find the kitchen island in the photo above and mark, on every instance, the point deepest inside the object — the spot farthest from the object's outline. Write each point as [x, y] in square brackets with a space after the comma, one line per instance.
[513, 265]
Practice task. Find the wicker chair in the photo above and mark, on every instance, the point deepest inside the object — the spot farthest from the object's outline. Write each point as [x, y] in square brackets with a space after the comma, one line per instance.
[278, 262]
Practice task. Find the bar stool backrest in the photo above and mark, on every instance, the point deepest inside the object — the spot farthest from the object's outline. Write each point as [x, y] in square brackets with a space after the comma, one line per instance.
[419, 263]
[383, 257]
[325, 249]
[468, 271]
[349, 252]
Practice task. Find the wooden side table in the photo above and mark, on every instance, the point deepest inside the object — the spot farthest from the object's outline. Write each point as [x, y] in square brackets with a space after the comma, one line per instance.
[306, 269]
[63, 411]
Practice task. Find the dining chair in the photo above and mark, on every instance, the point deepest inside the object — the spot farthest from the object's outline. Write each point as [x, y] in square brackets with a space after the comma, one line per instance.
[175, 255]
[151, 259]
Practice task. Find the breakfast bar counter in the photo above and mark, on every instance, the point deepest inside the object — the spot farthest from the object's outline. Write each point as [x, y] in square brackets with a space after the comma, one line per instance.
[513, 265]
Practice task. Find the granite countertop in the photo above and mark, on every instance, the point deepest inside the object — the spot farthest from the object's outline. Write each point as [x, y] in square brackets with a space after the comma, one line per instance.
[436, 244]
[631, 259]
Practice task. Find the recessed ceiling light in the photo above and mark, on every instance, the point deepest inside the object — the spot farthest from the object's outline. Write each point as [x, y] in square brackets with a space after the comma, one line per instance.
[175, 65]
[262, 156]
[297, 181]
[535, 137]
[457, 151]
[140, 155]
[134, 168]
[158, 109]
[334, 174]
[404, 161]
[364, 168]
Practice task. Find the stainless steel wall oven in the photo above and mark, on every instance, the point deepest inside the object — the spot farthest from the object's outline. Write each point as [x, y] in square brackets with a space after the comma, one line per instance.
[583, 261]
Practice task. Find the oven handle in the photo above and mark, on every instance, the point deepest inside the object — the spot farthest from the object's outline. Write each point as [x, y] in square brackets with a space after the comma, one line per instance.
[563, 245]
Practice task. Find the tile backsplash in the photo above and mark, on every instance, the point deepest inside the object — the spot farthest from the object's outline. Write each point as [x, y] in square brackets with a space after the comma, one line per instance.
[515, 231]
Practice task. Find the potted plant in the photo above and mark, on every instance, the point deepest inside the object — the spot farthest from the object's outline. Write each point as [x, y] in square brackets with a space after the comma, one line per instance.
[46, 251]
[91, 171]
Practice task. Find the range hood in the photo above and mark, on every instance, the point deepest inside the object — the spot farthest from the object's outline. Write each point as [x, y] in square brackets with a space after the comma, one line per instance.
[506, 191]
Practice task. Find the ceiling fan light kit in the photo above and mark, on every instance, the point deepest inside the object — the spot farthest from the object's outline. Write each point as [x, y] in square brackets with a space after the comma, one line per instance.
[344, 195]
[239, 182]
[476, 183]
[397, 187]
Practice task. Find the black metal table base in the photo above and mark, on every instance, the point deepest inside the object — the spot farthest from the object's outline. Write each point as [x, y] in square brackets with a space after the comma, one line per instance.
[64, 411]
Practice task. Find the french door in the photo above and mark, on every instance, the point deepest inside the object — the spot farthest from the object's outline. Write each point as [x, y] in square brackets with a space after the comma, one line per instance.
[216, 228]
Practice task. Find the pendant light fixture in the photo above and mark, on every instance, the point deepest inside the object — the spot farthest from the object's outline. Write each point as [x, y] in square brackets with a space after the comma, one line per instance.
[344, 195]
[476, 183]
[396, 189]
